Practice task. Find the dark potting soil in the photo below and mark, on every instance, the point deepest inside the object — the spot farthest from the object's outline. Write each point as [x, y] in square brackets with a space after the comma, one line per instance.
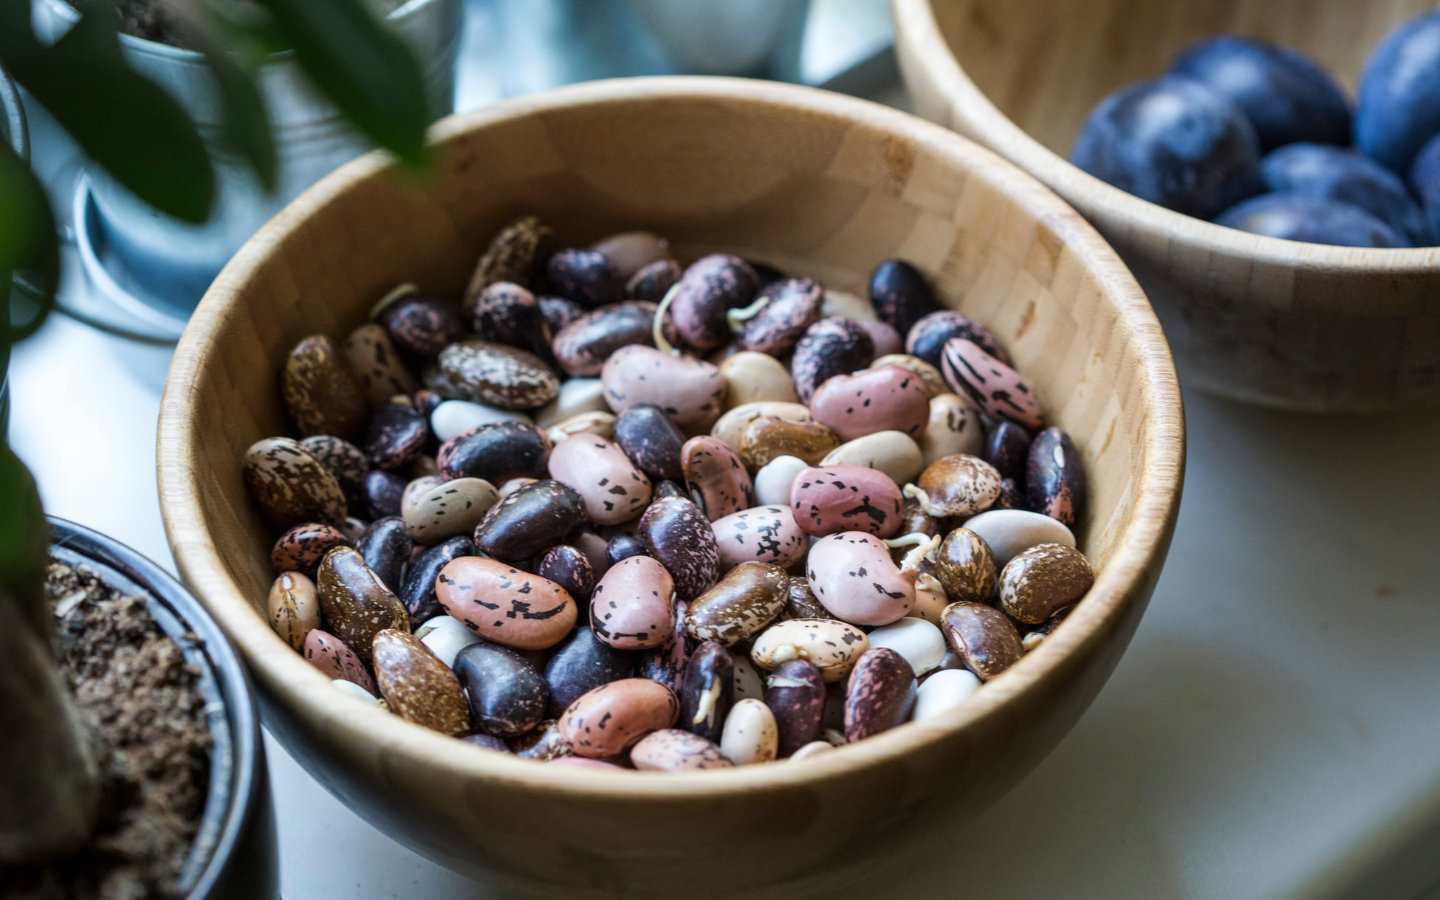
[141, 698]
[149, 19]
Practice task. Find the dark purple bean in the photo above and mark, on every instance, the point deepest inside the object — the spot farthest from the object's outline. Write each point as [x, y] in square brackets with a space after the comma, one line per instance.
[624, 546]
[559, 312]
[582, 346]
[509, 314]
[417, 590]
[667, 664]
[793, 306]
[677, 533]
[570, 568]
[496, 452]
[668, 489]
[507, 695]
[397, 433]
[347, 462]
[900, 294]
[421, 325]
[833, 346]
[879, 695]
[385, 544]
[651, 441]
[586, 276]
[530, 521]
[707, 691]
[652, 281]
[711, 287]
[1011, 497]
[927, 337]
[382, 491]
[426, 400]
[1055, 477]
[795, 693]
[1007, 447]
[582, 662]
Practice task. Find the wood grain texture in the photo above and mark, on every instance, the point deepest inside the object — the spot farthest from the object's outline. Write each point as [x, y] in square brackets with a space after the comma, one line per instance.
[1259, 319]
[817, 184]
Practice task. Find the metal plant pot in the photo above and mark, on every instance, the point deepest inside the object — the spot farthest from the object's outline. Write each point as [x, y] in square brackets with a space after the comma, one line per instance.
[176, 261]
[233, 856]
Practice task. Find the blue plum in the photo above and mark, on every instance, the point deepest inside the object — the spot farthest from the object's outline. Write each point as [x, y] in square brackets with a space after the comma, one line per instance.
[1311, 219]
[1425, 179]
[1335, 173]
[1174, 142]
[1286, 96]
[1398, 106]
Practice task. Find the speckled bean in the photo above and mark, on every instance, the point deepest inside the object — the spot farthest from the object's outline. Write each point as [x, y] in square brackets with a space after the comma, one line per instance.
[715, 477]
[767, 534]
[953, 427]
[653, 282]
[928, 336]
[747, 599]
[965, 567]
[447, 509]
[651, 440]
[417, 686]
[517, 253]
[854, 577]
[707, 691]
[983, 637]
[929, 375]
[378, 368]
[301, 548]
[506, 313]
[583, 346]
[421, 324]
[612, 488]
[606, 721]
[497, 374]
[357, 604]
[586, 276]
[673, 750]
[880, 399]
[505, 605]
[293, 607]
[1041, 581]
[831, 645]
[530, 521]
[334, 659]
[677, 534]
[731, 426]
[998, 390]
[832, 499]
[801, 602]
[321, 392]
[958, 485]
[791, 306]
[290, 486]
[829, 347]
[496, 452]
[710, 287]
[880, 694]
[768, 438]
[633, 605]
[689, 390]
[795, 695]
[900, 294]
[570, 568]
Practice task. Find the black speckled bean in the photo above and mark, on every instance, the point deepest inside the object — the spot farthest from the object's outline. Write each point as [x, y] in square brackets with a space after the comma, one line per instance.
[582, 346]
[385, 545]
[421, 324]
[652, 281]
[666, 664]
[710, 287]
[1055, 477]
[707, 691]
[651, 441]
[624, 546]
[677, 534]
[586, 276]
[927, 337]
[794, 305]
[900, 294]
[834, 346]
[1007, 447]
[568, 567]
[496, 452]
[530, 521]
[507, 695]
[559, 312]
[347, 462]
[582, 662]
[397, 434]
[382, 492]
[417, 590]
[880, 694]
[509, 314]
[795, 693]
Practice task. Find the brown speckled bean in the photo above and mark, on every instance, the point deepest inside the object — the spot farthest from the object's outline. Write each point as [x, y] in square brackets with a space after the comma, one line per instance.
[517, 253]
[731, 426]
[301, 548]
[747, 599]
[1039, 582]
[499, 375]
[290, 486]
[320, 391]
[767, 438]
[356, 602]
[965, 567]
[984, 638]
[417, 686]
[379, 369]
[958, 485]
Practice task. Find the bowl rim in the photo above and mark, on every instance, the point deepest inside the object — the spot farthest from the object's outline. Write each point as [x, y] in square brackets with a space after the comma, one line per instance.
[917, 29]
[295, 683]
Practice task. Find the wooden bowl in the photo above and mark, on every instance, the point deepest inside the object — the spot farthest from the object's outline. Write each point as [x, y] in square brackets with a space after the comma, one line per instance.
[815, 183]
[1264, 320]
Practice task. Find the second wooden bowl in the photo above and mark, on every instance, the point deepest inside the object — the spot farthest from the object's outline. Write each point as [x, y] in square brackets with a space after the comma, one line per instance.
[814, 183]
[1263, 320]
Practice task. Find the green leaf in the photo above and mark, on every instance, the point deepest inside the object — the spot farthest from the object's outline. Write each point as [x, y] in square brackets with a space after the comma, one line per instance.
[126, 123]
[24, 541]
[29, 246]
[362, 66]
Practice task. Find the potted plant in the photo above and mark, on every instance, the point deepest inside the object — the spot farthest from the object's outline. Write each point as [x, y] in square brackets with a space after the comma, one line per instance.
[132, 764]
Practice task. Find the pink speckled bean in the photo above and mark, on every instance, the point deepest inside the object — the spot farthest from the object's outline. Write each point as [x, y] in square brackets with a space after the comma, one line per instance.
[633, 606]
[716, 478]
[613, 489]
[607, 720]
[329, 654]
[853, 576]
[886, 398]
[766, 534]
[996, 388]
[830, 499]
[689, 390]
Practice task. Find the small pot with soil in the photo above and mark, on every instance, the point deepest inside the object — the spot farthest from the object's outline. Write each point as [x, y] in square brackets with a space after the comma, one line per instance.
[133, 765]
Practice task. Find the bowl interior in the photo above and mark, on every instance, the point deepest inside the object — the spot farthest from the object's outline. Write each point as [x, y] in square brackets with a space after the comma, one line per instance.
[1045, 65]
[814, 183]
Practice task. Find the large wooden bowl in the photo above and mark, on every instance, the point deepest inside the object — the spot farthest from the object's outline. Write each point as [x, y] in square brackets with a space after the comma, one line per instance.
[815, 183]
[1264, 320]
